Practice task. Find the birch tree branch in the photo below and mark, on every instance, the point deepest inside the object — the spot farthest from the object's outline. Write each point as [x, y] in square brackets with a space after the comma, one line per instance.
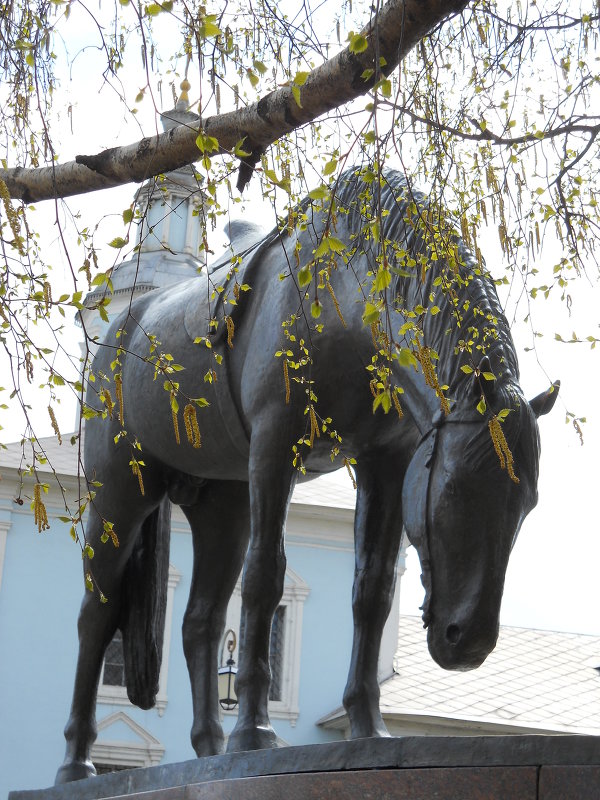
[390, 35]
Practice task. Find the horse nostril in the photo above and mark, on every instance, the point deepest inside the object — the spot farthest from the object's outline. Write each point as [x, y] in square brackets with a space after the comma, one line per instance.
[452, 634]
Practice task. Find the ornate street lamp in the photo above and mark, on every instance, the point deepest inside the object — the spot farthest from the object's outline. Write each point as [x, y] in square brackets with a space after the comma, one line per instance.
[227, 672]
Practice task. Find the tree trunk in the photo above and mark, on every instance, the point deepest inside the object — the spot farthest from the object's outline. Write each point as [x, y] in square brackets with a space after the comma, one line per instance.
[391, 34]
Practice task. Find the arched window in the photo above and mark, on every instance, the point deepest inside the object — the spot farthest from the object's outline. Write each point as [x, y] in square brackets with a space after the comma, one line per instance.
[285, 645]
[112, 688]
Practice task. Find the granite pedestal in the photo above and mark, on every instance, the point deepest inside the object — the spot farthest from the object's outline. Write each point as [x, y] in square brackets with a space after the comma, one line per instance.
[411, 768]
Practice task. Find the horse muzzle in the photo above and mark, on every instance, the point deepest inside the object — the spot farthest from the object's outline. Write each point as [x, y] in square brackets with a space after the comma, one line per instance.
[460, 647]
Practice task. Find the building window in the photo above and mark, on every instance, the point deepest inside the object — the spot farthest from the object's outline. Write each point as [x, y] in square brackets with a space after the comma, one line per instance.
[113, 672]
[276, 652]
[285, 645]
[112, 688]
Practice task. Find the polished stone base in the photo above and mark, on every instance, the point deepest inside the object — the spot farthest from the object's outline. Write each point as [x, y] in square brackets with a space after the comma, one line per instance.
[413, 768]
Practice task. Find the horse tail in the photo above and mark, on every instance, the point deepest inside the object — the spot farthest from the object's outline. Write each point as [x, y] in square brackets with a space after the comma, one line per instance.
[144, 605]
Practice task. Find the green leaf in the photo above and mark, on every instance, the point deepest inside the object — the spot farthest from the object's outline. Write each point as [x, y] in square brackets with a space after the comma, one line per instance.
[382, 280]
[467, 369]
[371, 314]
[406, 358]
[304, 276]
[489, 376]
[384, 400]
[482, 405]
[358, 43]
[385, 87]
[283, 183]
[239, 151]
[259, 67]
[336, 245]
[207, 144]
[300, 78]
[296, 93]
[320, 193]
[118, 242]
[323, 248]
[207, 28]
[330, 167]
[315, 309]
[127, 215]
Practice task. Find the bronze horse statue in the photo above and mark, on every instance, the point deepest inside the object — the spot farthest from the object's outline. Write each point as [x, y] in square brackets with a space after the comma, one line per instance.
[460, 492]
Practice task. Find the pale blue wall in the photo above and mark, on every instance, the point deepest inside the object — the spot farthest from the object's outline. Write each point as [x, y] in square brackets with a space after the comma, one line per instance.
[39, 598]
[39, 601]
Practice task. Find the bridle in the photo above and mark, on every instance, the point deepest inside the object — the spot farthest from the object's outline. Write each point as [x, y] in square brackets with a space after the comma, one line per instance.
[428, 447]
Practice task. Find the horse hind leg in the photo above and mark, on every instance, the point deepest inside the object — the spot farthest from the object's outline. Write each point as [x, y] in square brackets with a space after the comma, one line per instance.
[220, 530]
[98, 621]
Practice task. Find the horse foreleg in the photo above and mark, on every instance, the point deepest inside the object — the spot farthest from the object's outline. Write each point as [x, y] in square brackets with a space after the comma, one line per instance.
[220, 529]
[378, 530]
[271, 482]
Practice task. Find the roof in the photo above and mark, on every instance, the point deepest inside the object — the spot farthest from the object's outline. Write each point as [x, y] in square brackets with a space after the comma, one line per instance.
[533, 678]
[61, 459]
[334, 490]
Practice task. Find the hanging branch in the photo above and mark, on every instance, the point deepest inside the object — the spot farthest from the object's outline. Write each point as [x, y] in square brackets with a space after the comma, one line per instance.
[397, 28]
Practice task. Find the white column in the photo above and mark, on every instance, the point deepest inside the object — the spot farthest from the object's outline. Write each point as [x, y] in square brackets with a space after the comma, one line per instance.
[5, 523]
[389, 640]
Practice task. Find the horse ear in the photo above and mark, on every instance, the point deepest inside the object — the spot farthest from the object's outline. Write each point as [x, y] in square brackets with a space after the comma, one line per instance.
[544, 402]
[484, 366]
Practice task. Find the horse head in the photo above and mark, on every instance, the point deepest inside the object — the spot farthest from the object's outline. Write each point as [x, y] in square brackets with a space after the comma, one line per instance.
[462, 512]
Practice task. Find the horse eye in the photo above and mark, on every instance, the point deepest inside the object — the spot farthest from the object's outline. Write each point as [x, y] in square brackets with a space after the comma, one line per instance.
[450, 488]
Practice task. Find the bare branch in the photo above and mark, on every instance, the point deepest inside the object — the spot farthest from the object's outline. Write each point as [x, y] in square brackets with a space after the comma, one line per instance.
[399, 26]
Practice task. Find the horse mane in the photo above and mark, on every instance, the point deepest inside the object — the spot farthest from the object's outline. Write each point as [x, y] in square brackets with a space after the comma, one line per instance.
[475, 314]
[470, 313]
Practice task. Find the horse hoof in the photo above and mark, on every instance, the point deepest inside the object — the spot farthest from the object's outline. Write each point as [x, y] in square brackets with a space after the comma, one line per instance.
[262, 737]
[374, 731]
[74, 771]
[208, 745]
